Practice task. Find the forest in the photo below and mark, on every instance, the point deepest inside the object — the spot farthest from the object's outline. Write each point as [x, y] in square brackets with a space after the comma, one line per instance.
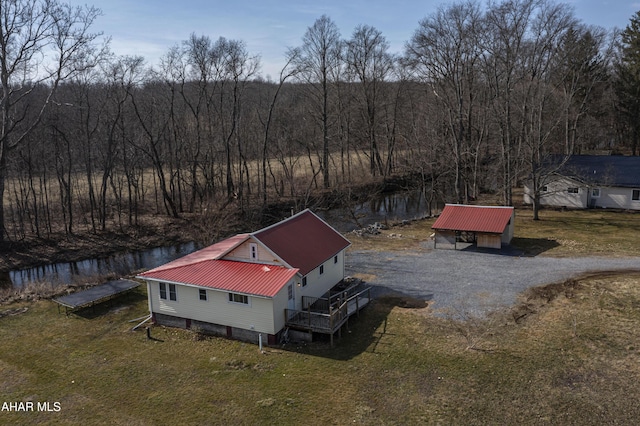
[479, 100]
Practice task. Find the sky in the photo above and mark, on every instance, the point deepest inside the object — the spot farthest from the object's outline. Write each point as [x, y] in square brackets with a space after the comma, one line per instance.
[149, 28]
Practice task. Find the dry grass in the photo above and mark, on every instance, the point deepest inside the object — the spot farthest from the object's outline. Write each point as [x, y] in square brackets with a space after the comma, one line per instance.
[578, 233]
[571, 360]
[557, 233]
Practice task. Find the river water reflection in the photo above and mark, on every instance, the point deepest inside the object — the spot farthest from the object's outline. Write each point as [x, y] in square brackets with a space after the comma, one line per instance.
[387, 208]
[119, 264]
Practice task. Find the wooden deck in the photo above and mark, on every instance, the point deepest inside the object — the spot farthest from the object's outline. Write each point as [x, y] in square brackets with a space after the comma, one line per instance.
[328, 315]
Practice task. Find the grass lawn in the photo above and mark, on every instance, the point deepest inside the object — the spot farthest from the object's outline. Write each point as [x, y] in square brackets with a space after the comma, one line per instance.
[572, 359]
[557, 233]
[566, 354]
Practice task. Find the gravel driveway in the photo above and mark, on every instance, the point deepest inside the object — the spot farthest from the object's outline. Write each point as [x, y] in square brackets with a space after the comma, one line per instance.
[469, 282]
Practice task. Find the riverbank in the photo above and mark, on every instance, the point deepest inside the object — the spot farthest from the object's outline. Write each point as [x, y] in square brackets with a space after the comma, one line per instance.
[162, 230]
[155, 231]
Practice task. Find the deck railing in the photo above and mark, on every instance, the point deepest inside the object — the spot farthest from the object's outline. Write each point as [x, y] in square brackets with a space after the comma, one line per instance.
[335, 299]
[333, 318]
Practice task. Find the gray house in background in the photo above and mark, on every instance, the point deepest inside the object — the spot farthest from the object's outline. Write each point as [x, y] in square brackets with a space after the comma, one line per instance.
[592, 181]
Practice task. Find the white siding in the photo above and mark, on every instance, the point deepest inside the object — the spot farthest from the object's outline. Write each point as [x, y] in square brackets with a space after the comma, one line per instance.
[243, 253]
[280, 303]
[557, 194]
[616, 198]
[259, 315]
[317, 284]
[507, 235]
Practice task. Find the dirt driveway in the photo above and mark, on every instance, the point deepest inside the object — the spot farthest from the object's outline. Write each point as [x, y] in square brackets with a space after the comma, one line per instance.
[469, 282]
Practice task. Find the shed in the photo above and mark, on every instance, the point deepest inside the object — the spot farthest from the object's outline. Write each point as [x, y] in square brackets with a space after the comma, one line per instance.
[486, 226]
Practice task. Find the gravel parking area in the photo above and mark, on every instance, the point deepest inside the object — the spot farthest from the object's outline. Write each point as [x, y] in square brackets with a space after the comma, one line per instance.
[469, 282]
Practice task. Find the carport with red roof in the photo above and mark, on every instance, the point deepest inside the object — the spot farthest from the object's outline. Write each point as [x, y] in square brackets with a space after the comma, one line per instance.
[486, 226]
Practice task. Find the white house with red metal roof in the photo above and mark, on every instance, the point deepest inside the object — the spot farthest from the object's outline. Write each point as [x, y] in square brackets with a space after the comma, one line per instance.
[242, 286]
[487, 226]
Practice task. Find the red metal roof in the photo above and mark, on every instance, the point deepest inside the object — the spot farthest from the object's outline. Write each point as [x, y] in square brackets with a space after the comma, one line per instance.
[227, 275]
[303, 241]
[456, 217]
[215, 251]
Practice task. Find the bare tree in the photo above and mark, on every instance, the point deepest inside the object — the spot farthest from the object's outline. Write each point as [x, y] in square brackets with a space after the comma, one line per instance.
[42, 43]
[445, 54]
[319, 58]
[368, 59]
[542, 105]
[504, 40]
[286, 72]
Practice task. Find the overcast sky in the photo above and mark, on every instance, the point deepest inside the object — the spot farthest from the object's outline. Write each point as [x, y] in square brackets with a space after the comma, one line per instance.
[148, 28]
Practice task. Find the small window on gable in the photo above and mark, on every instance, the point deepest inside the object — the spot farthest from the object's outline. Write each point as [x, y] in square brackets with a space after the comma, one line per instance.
[304, 281]
[635, 196]
[572, 190]
[335, 259]
[202, 294]
[595, 192]
[321, 269]
[253, 251]
[290, 292]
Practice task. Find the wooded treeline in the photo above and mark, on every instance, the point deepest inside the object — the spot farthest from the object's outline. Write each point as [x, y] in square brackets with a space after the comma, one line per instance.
[480, 97]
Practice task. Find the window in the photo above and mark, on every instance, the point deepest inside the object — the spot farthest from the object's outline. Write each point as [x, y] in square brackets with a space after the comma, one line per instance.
[290, 292]
[253, 251]
[572, 190]
[203, 294]
[163, 291]
[635, 196]
[172, 291]
[304, 281]
[595, 192]
[321, 269]
[239, 298]
[335, 259]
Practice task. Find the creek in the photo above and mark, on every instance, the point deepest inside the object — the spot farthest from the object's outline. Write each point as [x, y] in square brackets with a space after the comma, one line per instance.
[385, 208]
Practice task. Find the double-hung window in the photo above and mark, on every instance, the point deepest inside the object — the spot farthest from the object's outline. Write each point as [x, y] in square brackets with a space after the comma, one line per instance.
[635, 195]
[173, 295]
[163, 291]
[202, 293]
